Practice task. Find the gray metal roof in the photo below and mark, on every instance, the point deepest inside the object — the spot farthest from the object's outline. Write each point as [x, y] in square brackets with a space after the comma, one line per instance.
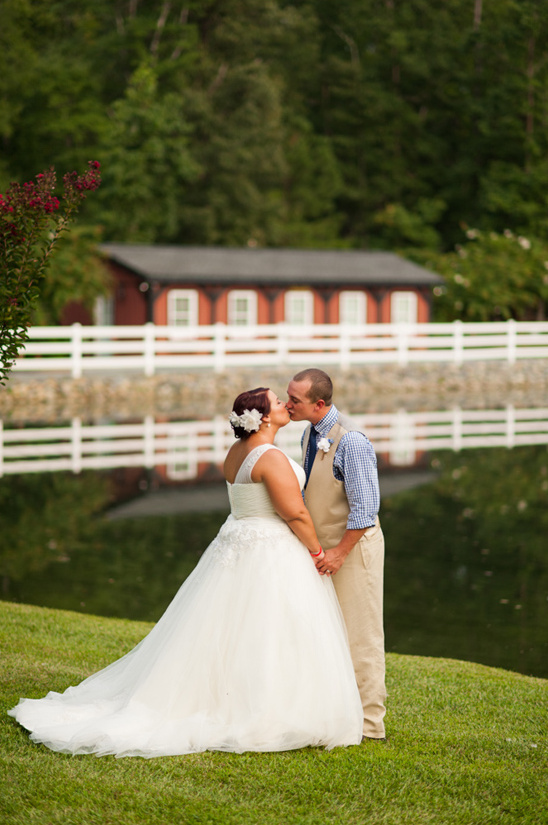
[218, 265]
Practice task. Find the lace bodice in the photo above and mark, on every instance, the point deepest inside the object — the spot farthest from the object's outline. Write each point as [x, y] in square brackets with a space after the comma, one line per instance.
[248, 498]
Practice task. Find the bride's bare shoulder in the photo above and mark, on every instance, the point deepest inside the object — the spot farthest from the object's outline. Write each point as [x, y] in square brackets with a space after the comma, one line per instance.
[271, 461]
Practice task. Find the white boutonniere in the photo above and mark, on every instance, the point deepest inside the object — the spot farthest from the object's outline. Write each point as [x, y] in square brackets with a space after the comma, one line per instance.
[324, 444]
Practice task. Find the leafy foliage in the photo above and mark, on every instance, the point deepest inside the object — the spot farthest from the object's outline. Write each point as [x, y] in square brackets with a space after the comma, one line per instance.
[149, 166]
[32, 219]
[350, 124]
[75, 274]
[213, 117]
[492, 277]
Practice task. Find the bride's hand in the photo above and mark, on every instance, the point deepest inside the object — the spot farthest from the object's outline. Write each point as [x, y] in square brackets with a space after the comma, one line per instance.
[321, 565]
[317, 557]
[329, 563]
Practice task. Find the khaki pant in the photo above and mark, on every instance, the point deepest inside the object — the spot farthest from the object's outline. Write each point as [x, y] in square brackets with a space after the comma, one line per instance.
[359, 587]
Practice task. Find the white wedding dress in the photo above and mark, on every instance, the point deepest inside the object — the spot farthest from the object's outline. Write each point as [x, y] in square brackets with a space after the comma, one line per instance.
[251, 655]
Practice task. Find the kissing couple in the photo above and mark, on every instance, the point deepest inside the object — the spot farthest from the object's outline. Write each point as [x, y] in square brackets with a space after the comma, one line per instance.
[256, 652]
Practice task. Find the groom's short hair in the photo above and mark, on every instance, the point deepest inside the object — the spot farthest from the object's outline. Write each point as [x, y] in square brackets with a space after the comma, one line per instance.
[321, 385]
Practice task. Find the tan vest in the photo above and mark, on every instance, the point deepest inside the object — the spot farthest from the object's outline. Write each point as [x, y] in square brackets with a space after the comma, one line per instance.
[324, 496]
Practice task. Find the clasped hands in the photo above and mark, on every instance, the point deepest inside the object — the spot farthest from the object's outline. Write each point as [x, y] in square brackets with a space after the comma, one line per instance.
[329, 562]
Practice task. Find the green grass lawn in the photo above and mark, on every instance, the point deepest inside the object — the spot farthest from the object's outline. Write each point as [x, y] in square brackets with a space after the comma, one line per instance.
[467, 744]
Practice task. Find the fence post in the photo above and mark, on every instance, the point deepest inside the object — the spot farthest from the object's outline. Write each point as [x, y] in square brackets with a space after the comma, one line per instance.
[219, 346]
[402, 335]
[281, 343]
[219, 437]
[149, 433]
[149, 347]
[76, 445]
[457, 429]
[511, 340]
[510, 426]
[344, 347]
[76, 350]
[458, 353]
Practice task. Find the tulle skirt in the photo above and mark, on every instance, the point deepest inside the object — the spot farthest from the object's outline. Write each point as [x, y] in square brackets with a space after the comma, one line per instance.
[251, 655]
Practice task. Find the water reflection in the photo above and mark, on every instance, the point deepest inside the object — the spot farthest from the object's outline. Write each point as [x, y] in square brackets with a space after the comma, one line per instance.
[183, 450]
[466, 572]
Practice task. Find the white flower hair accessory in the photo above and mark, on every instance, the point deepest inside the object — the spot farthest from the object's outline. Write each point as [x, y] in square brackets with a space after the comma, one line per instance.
[249, 420]
[324, 444]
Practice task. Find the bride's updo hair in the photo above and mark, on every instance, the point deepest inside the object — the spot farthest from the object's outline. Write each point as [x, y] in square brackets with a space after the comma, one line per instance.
[250, 400]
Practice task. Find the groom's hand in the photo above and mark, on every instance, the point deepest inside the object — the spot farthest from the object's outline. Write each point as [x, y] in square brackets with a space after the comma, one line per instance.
[331, 561]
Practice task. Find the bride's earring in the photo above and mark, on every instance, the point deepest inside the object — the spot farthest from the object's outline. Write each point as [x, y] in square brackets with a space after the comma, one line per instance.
[268, 424]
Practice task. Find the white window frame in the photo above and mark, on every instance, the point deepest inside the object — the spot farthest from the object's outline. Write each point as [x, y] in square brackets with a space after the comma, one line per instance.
[352, 307]
[103, 311]
[238, 315]
[299, 307]
[403, 307]
[182, 317]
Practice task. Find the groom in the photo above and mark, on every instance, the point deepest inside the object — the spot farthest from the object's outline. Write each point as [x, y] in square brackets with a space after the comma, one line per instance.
[342, 495]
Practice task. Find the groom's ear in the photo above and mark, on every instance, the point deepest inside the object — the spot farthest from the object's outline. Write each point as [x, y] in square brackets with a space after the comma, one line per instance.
[320, 404]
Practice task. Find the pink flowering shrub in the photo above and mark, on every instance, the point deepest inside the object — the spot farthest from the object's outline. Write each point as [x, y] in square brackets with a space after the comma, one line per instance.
[32, 219]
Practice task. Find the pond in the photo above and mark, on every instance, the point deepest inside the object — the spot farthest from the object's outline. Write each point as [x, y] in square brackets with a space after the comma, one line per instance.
[466, 541]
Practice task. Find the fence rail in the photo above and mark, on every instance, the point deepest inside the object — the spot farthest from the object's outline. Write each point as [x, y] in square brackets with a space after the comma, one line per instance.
[181, 446]
[149, 348]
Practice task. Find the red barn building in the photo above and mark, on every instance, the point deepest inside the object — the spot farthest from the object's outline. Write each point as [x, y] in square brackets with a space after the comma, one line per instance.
[187, 286]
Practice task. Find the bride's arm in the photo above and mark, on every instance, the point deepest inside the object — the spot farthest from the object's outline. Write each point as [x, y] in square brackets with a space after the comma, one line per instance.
[276, 473]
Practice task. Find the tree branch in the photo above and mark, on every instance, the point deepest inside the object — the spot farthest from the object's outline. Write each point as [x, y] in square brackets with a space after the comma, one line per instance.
[352, 45]
[183, 20]
[164, 14]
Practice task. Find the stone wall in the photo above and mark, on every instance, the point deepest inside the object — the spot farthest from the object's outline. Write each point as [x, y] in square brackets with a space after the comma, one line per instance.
[201, 394]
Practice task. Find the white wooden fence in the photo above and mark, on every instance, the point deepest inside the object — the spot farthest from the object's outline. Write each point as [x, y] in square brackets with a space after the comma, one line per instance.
[148, 348]
[182, 445]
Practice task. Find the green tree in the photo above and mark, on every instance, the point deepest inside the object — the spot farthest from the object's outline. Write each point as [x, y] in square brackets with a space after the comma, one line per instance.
[369, 123]
[424, 104]
[238, 145]
[57, 95]
[17, 59]
[388, 71]
[150, 166]
[247, 101]
[76, 274]
[311, 185]
[512, 185]
[492, 277]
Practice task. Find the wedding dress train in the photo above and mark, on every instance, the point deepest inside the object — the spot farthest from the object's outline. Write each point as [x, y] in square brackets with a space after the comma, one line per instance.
[251, 655]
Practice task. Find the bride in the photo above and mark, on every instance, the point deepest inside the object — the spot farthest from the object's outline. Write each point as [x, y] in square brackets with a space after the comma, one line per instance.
[251, 654]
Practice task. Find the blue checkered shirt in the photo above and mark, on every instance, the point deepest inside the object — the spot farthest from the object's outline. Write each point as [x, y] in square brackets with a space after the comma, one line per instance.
[355, 464]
